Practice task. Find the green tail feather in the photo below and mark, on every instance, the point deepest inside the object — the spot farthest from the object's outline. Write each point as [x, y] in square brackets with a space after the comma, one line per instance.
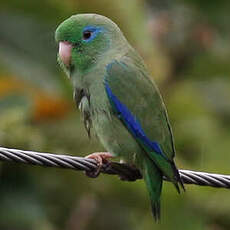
[153, 179]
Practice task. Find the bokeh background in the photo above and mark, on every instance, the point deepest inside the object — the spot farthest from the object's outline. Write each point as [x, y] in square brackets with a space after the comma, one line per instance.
[186, 46]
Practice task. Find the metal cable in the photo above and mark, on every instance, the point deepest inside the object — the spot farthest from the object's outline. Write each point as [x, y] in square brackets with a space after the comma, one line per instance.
[124, 171]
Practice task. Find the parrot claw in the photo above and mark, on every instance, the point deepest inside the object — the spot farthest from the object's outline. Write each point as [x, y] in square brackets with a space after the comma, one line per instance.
[101, 158]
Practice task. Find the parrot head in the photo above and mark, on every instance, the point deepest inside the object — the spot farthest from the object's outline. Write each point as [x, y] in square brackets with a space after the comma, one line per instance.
[84, 39]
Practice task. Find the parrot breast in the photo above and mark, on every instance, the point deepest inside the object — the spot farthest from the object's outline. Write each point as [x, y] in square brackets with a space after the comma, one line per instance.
[82, 99]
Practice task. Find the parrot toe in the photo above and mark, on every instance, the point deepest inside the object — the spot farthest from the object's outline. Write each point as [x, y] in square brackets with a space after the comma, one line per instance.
[100, 158]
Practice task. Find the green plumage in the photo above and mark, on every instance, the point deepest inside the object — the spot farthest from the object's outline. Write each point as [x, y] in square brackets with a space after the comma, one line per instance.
[129, 80]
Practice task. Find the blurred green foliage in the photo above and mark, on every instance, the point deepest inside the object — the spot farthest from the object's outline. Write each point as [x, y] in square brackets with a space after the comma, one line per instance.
[186, 45]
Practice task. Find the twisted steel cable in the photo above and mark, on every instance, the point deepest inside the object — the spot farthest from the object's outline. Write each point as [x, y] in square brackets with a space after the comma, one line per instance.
[124, 171]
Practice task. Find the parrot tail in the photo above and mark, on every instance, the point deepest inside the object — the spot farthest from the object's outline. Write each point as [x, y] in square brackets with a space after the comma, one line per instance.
[153, 179]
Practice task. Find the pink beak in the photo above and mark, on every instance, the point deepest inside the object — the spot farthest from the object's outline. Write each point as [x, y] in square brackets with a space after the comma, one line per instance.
[65, 52]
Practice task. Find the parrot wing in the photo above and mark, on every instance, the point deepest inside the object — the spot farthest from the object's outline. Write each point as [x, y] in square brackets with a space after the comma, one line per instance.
[137, 103]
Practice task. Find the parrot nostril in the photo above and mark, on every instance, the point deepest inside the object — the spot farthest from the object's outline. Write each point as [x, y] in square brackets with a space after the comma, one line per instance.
[65, 52]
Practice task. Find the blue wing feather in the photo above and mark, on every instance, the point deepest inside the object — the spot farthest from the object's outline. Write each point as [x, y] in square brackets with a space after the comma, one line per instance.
[131, 121]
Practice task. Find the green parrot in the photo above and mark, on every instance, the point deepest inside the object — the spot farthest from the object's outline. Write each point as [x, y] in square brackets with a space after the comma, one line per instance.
[119, 102]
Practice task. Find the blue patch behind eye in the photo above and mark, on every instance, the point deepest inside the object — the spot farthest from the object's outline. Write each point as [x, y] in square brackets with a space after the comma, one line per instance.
[131, 122]
[94, 29]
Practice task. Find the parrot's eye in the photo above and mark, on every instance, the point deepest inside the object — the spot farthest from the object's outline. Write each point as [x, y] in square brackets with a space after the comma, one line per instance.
[87, 35]
[90, 32]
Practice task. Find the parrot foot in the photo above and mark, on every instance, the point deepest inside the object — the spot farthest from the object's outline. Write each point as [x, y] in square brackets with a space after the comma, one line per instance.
[100, 158]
